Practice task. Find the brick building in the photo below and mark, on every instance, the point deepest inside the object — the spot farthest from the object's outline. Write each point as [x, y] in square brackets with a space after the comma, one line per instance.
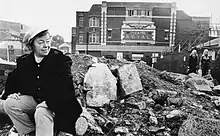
[130, 30]
[191, 31]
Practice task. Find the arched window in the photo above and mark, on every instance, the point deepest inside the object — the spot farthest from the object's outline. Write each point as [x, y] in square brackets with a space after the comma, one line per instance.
[94, 22]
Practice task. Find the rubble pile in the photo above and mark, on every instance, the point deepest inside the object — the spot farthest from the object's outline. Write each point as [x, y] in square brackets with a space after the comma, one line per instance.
[163, 105]
[134, 99]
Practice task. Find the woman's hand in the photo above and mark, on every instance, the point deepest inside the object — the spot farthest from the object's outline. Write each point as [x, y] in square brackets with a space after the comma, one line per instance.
[15, 96]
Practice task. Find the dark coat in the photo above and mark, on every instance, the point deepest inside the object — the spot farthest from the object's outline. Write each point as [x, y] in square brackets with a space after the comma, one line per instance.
[193, 64]
[205, 64]
[51, 81]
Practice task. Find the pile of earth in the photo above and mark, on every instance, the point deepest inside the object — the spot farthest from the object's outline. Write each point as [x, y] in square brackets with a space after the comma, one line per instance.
[165, 106]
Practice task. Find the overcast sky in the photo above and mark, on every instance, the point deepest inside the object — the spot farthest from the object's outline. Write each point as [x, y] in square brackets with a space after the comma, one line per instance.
[59, 15]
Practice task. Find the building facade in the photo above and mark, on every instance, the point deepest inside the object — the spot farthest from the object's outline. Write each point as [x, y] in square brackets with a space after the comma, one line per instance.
[130, 30]
[215, 30]
[11, 34]
[190, 31]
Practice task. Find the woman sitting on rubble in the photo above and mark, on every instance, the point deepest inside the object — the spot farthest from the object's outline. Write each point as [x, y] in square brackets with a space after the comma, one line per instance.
[193, 64]
[205, 63]
[41, 95]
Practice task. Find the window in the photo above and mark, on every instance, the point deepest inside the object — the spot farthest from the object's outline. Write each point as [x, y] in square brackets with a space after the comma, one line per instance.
[166, 37]
[130, 12]
[166, 34]
[81, 31]
[73, 31]
[155, 54]
[143, 12]
[81, 38]
[94, 38]
[22, 27]
[135, 12]
[148, 13]
[138, 12]
[81, 21]
[94, 22]
[10, 47]
[154, 60]
[109, 34]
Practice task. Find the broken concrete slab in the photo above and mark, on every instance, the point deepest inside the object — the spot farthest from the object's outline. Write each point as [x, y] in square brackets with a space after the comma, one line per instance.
[198, 84]
[100, 84]
[129, 79]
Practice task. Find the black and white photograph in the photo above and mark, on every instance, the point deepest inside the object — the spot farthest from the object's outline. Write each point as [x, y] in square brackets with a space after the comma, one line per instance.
[109, 68]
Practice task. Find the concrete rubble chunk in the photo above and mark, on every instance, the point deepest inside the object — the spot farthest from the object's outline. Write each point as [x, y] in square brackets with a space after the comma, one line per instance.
[122, 130]
[141, 105]
[160, 95]
[174, 101]
[209, 82]
[217, 88]
[195, 126]
[155, 129]
[200, 93]
[129, 134]
[92, 124]
[193, 75]
[216, 100]
[81, 126]
[149, 102]
[169, 93]
[101, 85]
[180, 77]
[129, 79]
[153, 120]
[198, 84]
[174, 114]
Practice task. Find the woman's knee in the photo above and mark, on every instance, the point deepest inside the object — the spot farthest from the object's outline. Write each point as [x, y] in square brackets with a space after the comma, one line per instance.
[9, 104]
[43, 114]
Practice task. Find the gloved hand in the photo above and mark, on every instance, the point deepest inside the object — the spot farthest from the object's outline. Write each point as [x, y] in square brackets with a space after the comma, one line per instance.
[15, 96]
[209, 72]
[187, 70]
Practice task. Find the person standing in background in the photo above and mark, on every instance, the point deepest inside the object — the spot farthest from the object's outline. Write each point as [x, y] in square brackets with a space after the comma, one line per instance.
[205, 63]
[193, 63]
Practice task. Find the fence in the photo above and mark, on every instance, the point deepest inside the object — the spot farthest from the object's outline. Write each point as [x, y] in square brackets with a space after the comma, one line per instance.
[174, 62]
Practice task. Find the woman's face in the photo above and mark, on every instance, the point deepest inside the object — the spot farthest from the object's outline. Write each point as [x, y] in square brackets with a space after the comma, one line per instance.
[42, 45]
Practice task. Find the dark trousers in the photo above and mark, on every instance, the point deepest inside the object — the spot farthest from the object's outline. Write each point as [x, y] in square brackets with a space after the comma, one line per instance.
[194, 70]
[205, 71]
